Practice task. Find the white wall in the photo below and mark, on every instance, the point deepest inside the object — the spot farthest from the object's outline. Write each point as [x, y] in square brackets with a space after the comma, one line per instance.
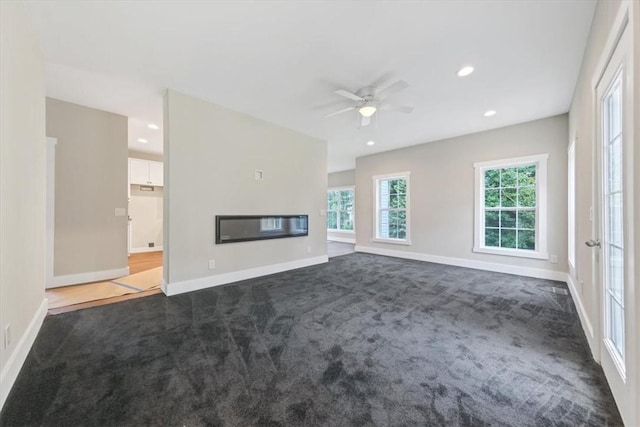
[342, 179]
[22, 189]
[636, 170]
[442, 193]
[581, 126]
[211, 154]
[145, 210]
[90, 183]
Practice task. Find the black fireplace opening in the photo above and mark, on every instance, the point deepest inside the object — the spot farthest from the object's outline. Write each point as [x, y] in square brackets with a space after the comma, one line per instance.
[246, 228]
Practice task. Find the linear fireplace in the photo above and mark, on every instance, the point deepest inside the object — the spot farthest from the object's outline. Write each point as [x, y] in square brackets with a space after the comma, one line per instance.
[245, 228]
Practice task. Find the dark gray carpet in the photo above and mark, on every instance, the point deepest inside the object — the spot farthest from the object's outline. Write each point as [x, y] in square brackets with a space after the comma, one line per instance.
[363, 340]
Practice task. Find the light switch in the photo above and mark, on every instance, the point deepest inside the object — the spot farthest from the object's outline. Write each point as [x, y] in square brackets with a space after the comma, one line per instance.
[121, 211]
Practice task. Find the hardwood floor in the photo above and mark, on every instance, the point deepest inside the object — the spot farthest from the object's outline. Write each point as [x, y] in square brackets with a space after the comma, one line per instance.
[144, 261]
[137, 263]
[105, 301]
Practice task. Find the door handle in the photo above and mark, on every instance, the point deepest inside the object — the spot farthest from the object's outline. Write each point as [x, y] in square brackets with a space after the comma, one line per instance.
[593, 243]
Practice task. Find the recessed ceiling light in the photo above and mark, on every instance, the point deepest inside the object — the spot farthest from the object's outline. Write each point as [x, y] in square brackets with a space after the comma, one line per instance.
[465, 71]
[153, 126]
[370, 142]
[144, 141]
[490, 113]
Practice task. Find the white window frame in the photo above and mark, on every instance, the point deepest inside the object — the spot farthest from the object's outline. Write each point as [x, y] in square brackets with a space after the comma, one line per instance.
[571, 204]
[540, 160]
[376, 207]
[339, 230]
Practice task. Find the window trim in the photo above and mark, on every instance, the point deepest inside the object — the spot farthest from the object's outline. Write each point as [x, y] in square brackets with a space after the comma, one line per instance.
[338, 230]
[376, 178]
[541, 206]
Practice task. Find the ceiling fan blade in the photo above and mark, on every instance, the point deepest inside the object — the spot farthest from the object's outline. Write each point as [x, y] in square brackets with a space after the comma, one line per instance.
[348, 94]
[344, 110]
[365, 121]
[390, 90]
[398, 108]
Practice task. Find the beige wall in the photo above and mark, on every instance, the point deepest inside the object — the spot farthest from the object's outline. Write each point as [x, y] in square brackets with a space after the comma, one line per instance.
[442, 190]
[581, 126]
[342, 179]
[145, 210]
[211, 154]
[22, 184]
[636, 171]
[91, 181]
[581, 123]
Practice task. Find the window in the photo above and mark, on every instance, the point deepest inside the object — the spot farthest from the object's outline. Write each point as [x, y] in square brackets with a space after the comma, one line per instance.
[511, 207]
[392, 208]
[340, 209]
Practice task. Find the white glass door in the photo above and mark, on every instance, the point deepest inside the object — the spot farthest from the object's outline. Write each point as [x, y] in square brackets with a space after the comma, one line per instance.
[612, 229]
[613, 224]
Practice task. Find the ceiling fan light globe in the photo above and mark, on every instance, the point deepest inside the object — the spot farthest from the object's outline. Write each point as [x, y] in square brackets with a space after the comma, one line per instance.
[367, 110]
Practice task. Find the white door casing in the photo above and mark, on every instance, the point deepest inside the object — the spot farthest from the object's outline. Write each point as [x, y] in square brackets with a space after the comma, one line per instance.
[50, 209]
[613, 232]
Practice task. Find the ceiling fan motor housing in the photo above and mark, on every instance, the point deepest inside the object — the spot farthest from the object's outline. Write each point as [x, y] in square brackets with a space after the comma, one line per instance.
[368, 94]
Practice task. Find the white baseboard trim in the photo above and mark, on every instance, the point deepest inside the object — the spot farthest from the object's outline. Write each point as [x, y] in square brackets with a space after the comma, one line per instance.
[467, 263]
[342, 239]
[176, 288]
[142, 250]
[582, 314]
[16, 359]
[92, 276]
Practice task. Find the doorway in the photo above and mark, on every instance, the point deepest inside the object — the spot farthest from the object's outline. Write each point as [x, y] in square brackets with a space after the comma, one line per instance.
[613, 222]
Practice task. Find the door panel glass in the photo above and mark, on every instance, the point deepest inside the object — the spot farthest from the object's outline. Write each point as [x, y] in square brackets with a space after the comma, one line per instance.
[613, 224]
[615, 118]
[615, 219]
[617, 327]
[614, 164]
[616, 274]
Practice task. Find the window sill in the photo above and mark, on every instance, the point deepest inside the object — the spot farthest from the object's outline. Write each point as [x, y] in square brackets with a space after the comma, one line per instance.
[512, 252]
[329, 230]
[393, 241]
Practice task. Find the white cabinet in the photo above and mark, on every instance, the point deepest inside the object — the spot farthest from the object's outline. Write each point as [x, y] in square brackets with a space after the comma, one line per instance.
[146, 172]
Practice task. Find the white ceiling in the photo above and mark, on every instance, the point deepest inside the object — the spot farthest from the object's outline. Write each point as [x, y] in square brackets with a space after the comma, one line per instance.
[281, 62]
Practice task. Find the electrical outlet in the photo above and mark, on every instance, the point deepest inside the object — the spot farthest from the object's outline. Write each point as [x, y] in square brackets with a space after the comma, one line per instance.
[120, 211]
[7, 336]
[553, 259]
[212, 264]
[308, 249]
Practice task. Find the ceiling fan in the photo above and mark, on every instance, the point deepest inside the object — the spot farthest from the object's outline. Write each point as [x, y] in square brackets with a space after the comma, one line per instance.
[371, 99]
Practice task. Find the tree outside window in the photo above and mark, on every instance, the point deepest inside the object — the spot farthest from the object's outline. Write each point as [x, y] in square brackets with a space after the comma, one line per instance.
[511, 207]
[392, 203]
[340, 209]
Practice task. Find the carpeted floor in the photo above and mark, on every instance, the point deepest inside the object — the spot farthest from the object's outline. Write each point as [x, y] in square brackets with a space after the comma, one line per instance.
[363, 340]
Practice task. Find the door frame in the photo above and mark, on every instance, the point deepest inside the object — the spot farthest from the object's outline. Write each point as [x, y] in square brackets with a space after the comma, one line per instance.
[625, 401]
[50, 209]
